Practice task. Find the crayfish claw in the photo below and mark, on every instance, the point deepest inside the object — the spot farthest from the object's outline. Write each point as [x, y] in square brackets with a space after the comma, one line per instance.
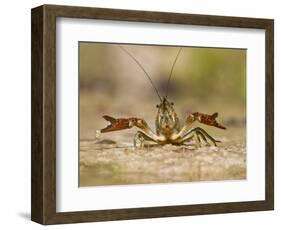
[109, 118]
[214, 115]
[117, 123]
[208, 119]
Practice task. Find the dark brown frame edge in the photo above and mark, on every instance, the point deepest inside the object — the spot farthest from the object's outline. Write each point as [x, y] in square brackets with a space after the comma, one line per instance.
[43, 157]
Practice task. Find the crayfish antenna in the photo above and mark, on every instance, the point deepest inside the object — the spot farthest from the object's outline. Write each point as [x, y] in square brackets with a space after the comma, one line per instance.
[171, 73]
[143, 69]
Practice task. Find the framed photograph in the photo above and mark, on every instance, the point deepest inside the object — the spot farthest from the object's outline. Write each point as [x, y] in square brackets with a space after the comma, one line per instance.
[140, 114]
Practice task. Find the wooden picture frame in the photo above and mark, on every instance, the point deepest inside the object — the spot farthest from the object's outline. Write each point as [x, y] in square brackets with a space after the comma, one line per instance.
[43, 188]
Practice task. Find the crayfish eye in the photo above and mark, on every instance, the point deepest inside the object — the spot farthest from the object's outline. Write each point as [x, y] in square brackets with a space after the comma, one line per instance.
[157, 106]
[172, 103]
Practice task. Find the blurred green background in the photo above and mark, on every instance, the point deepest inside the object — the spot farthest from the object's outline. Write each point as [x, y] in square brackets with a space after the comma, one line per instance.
[204, 79]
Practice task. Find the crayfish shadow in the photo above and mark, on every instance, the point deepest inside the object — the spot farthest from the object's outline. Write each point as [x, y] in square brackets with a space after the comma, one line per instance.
[106, 142]
[190, 145]
[110, 144]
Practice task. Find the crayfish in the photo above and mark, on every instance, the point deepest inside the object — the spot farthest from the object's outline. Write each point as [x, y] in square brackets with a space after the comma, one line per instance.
[168, 129]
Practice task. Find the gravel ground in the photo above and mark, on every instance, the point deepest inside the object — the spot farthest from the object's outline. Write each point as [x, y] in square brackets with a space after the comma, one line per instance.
[109, 162]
